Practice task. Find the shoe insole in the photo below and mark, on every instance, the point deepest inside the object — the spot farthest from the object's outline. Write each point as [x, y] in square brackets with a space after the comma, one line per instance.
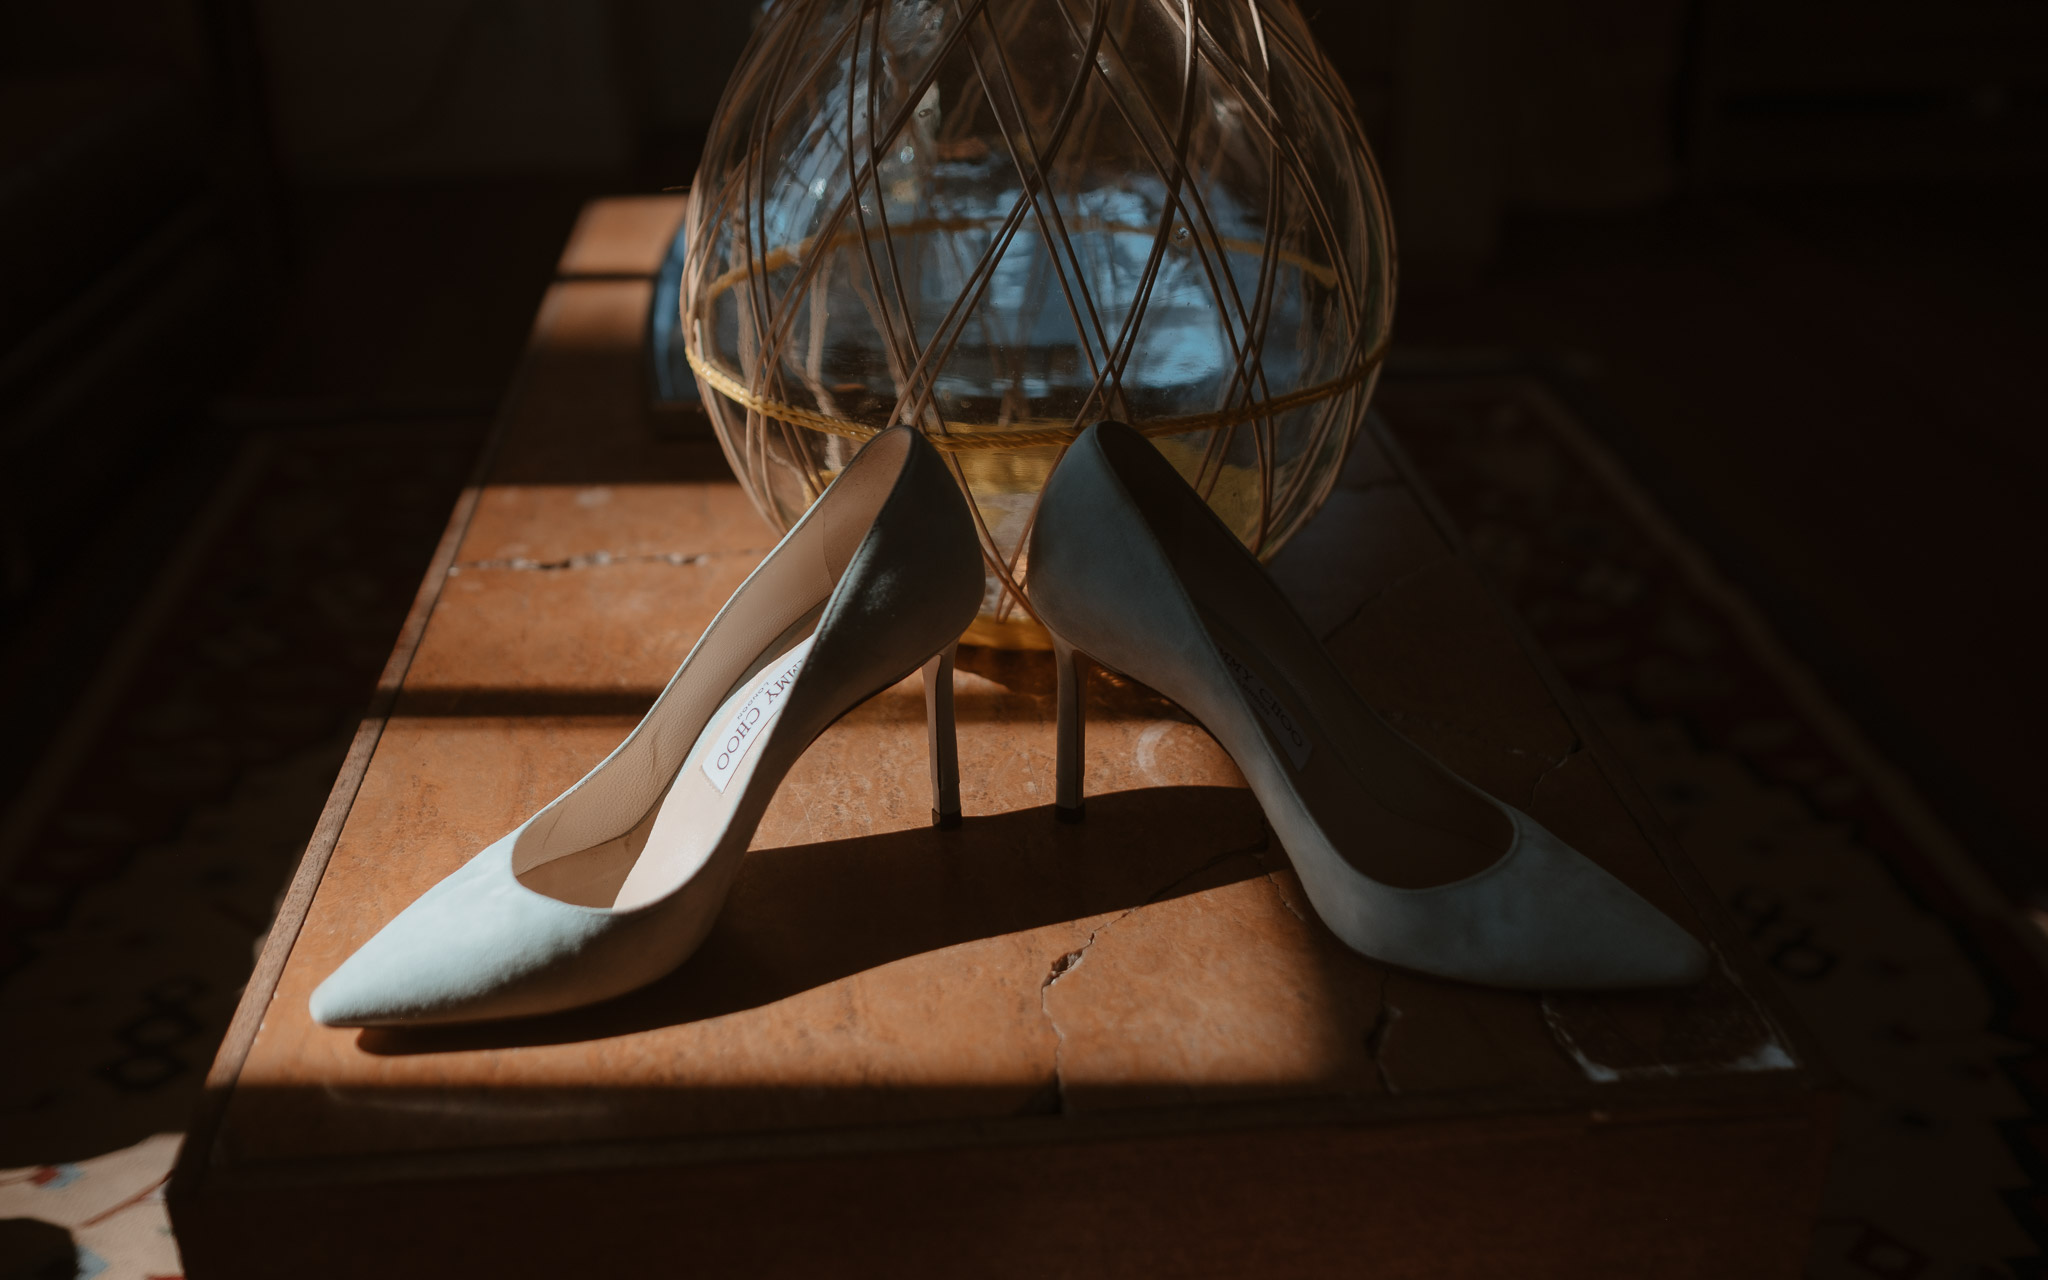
[1391, 810]
[675, 838]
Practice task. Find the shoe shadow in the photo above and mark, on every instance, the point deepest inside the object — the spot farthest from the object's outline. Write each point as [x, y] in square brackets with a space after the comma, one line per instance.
[803, 916]
[1014, 673]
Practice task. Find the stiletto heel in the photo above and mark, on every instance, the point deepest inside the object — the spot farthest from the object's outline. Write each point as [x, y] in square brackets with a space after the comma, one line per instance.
[619, 879]
[1405, 861]
[1069, 734]
[943, 742]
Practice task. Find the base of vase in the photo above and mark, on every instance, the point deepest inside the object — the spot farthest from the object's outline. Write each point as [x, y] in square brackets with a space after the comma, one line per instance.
[1007, 633]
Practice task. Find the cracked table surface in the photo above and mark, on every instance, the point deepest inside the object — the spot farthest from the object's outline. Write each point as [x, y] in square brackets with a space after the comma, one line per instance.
[869, 970]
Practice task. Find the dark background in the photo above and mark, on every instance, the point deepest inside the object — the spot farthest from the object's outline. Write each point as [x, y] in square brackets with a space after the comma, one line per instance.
[1787, 255]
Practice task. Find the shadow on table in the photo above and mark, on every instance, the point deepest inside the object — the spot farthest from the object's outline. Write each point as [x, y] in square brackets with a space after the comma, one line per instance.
[804, 916]
[1016, 673]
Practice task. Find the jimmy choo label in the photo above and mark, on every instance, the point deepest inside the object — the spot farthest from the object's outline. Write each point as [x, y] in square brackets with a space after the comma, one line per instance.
[751, 722]
[1279, 721]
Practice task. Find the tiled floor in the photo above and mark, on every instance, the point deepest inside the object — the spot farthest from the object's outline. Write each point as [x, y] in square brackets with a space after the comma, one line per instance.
[394, 306]
[1837, 392]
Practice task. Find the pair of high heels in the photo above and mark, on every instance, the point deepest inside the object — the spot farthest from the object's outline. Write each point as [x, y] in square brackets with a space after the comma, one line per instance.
[619, 879]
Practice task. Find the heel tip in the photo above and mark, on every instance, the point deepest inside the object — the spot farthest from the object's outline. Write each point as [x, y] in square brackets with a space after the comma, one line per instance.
[1075, 814]
[945, 821]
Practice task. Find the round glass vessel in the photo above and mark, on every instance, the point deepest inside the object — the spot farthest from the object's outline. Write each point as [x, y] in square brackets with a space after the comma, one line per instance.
[1002, 220]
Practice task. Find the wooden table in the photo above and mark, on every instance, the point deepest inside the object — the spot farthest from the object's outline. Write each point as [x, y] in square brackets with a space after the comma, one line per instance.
[1125, 1047]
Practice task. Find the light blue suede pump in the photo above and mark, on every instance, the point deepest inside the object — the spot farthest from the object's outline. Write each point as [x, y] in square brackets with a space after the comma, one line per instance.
[1405, 861]
[618, 880]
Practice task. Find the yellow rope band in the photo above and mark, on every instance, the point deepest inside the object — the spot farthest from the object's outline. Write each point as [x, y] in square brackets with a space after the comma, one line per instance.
[961, 437]
[957, 437]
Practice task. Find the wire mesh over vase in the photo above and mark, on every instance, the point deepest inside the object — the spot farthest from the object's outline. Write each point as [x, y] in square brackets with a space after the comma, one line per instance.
[1002, 220]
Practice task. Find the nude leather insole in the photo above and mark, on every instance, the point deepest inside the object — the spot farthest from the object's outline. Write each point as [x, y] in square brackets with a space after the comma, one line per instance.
[1389, 809]
[677, 835]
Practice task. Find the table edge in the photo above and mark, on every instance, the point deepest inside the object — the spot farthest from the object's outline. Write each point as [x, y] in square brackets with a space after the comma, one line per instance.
[240, 1038]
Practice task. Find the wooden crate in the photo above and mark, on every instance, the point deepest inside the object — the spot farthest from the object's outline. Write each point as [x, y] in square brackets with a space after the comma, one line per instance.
[1125, 1047]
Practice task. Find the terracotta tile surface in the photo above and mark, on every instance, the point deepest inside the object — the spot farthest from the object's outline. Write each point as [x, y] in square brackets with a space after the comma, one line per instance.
[511, 640]
[569, 525]
[1222, 991]
[577, 414]
[869, 969]
[623, 236]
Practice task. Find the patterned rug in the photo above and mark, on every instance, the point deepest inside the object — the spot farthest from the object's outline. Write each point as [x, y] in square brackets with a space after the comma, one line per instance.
[141, 870]
[1924, 988]
[172, 812]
